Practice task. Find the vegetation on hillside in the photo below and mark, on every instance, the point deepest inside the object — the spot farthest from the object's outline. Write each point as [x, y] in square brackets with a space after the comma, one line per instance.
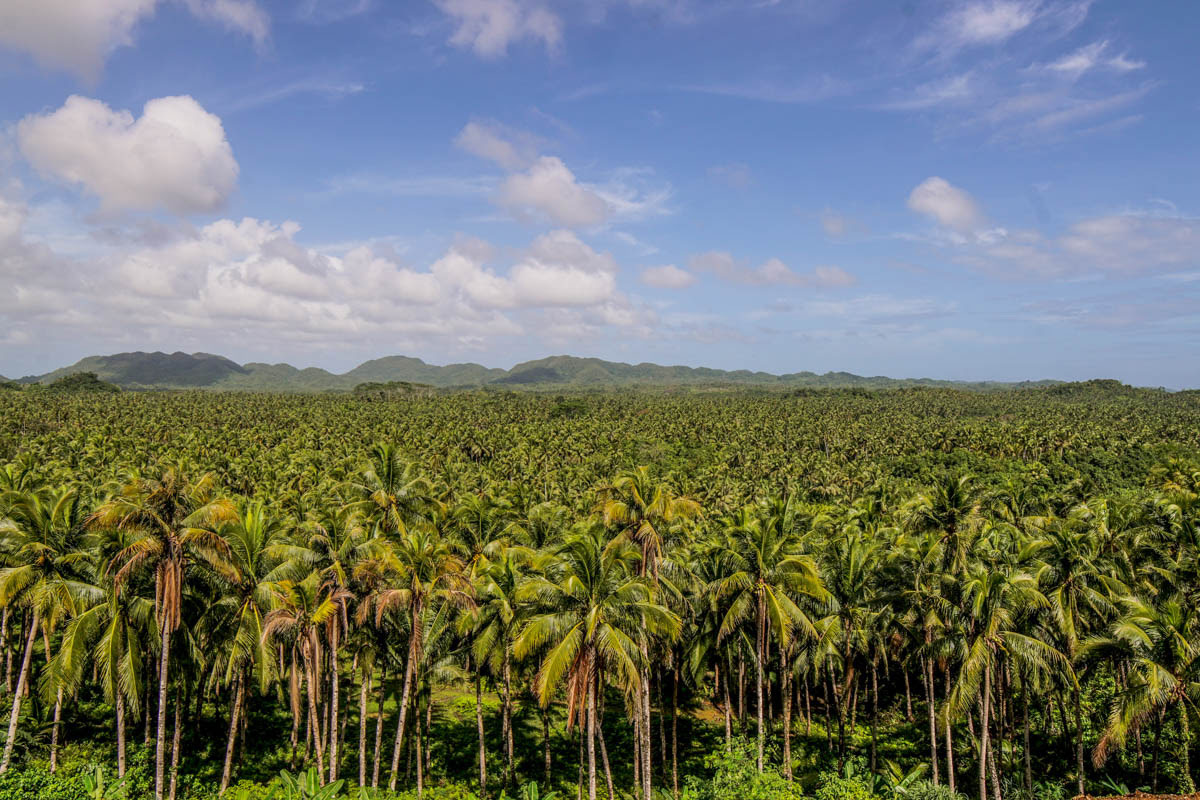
[844, 595]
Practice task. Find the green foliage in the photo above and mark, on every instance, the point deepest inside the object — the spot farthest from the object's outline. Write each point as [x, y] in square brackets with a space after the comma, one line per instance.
[735, 777]
[307, 786]
[926, 790]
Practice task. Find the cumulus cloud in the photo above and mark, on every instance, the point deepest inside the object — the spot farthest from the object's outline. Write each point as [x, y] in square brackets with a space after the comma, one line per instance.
[668, 276]
[250, 279]
[78, 35]
[175, 156]
[947, 204]
[488, 27]
[487, 141]
[550, 190]
[772, 272]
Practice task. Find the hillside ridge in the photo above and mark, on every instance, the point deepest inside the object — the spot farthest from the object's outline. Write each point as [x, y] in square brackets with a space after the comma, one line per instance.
[178, 370]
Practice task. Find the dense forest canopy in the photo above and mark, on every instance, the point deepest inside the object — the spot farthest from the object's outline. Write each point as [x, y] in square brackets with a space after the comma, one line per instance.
[917, 592]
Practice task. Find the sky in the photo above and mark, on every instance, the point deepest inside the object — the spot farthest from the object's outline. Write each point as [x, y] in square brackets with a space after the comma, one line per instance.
[974, 190]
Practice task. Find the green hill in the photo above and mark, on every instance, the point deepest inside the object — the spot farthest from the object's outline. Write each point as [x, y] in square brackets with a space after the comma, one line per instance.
[206, 371]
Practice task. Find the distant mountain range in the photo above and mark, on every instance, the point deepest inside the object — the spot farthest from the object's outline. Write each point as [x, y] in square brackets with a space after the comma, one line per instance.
[207, 371]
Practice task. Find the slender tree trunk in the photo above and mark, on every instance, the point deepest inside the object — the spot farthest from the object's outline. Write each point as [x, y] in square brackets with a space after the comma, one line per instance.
[758, 680]
[983, 731]
[908, 712]
[160, 741]
[807, 707]
[1079, 768]
[647, 784]
[662, 727]
[1185, 764]
[22, 678]
[950, 779]
[546, 743]
[120, 702]
[786, 694]
[364, 692]
[8, 686]
[378, 751]
[728, 719]
[233, 729]
[508, 731]
[58, 698]
[675, 732]
[404, 694]
[175, 749]
[1157, 740]
[314, 716]
[334, 727]
[591, 738]
[1025, 725]
[482, 740]
[874, 714]
[608, 779]
[420, 754]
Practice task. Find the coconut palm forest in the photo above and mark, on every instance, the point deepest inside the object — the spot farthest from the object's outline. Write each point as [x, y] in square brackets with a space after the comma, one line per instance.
[915, 593]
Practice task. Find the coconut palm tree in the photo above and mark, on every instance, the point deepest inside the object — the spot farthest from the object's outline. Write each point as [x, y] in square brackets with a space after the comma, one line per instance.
[173, 521]
[599, 611]
[48, 576]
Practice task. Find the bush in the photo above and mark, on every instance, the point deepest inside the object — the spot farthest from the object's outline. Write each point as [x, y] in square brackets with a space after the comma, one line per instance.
[843, 786]
[735, 777]
[926, 790]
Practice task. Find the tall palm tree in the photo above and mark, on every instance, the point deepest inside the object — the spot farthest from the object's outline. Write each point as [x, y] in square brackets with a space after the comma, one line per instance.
[420, 570]
[644, 511]
[173, 521]
[48, 572]
[599, 611]
[766, 574]
[1161, 642]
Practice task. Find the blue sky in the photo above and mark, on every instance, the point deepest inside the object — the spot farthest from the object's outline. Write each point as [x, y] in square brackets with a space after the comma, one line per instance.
[984, 189]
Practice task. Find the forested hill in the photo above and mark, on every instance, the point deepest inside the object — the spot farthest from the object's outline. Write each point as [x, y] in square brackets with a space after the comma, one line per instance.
[203, 370]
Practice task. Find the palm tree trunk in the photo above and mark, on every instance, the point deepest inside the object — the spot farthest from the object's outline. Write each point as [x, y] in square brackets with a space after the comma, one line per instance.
[546, 742]
[1078, 742]
[983, 731]
[479, 729]
[227, 770]
[419, 740]
[379, 726]
[120, 698]
[874, 715]
[175, 749]
[1025, 725]
[675, 732]
[1185, 765]
[728, 718]
[949, 737]
[908, 712]
[508, 727]
[334, 727]
[8, 687]
[160, 741]
[591, 738]
[785, 677]
[314, 716]
[404, 694]
[927, 679]
[22, 678]
[363, 692]
[758, 680]
[608, 780]
[647, 783]
[58, 698]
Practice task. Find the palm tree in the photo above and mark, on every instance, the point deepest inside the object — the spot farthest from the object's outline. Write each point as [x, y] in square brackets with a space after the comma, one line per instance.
[766, 573]
[599, 612]
[173, 521]
[644, 512]
[48, 575]
[1161, 642]
[302, 610]
[422, 570]
[392, 491]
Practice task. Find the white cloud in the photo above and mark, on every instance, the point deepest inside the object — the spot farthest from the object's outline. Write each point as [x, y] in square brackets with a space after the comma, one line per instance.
[949, 205]
[78, 35]
[487, 142]
[174, 156]
[668, 276]
[488, 27]
[549, 189]
[986, 22]
[239, 16]
[772, 272]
